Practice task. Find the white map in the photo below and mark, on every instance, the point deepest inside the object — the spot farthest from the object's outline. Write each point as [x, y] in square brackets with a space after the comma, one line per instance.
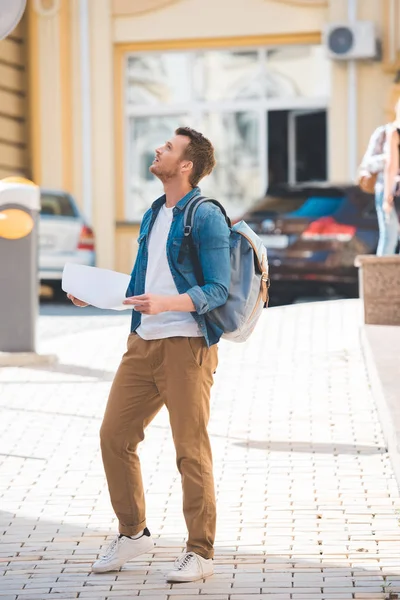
[99, 287]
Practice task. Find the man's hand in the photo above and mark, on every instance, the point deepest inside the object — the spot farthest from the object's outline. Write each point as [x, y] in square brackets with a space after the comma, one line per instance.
[76, 301]
[151, 304]
[148, 304]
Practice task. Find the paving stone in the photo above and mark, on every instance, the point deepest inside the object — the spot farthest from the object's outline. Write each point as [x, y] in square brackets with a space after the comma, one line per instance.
[307, 500]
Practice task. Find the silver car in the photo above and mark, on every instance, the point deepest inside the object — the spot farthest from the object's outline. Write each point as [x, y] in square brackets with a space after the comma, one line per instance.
[63, 237]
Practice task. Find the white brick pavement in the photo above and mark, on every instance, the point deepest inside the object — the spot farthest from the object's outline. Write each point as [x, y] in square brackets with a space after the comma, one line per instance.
[308, 506]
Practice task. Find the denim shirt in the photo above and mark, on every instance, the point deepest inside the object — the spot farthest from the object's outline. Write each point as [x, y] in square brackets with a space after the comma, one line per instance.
[210, 235]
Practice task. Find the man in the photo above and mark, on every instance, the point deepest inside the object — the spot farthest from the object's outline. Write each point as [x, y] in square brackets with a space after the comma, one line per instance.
[171, 359]
[374, 161]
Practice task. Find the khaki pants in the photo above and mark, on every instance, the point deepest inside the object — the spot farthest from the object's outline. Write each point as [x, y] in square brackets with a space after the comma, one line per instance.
[177, 372]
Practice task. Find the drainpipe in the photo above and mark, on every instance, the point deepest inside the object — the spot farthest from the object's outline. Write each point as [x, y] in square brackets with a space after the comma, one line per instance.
[393, 32]
[86, 111]
[352, 101]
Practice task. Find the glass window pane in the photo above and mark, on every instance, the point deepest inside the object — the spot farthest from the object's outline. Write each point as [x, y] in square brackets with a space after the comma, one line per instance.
[55, 205]
[211, 84]
[311, 147]
[299, 204]
[236, 180]
[318, 206]
[293, 71]
[222, 75]
[159, 78]
[145, 135]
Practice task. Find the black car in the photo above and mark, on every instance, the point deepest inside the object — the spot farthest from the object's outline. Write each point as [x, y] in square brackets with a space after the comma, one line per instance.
[313, 232]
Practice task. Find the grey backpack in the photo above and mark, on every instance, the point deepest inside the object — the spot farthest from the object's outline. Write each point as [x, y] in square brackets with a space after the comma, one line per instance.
[248, 293]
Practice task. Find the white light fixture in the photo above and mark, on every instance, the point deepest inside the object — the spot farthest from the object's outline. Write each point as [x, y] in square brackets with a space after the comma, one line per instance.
[11, 12]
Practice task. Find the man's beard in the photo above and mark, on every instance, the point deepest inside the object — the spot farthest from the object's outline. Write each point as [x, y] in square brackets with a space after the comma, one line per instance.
[163, 175]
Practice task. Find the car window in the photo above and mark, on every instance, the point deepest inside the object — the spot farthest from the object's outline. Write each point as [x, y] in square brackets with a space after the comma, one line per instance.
[317, 206]
[278, 204]
[57, 205]
[300, 206]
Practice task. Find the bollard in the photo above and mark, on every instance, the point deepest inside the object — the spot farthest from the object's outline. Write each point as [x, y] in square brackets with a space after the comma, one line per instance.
[379, 278]
[19, 215]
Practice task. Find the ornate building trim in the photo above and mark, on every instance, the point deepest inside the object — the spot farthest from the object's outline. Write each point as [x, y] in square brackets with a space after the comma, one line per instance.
[47, 8]
[305, 3]
[127, 8]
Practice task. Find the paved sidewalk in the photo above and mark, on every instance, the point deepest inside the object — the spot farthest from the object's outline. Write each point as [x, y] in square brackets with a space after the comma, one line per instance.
[308, 504]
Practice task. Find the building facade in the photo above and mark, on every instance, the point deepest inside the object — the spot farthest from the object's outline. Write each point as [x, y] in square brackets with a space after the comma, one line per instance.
[14, 130]
[104, 82]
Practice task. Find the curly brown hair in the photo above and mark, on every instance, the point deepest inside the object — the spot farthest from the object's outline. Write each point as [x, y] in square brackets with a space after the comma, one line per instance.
[200, 152]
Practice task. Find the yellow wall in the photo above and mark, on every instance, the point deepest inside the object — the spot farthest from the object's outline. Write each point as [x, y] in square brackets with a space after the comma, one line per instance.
[50, 101]
[374, 83]
[56, 108]
[126, 247]
[75, 120]
[102, 100]
[216, 18]
[14, 157]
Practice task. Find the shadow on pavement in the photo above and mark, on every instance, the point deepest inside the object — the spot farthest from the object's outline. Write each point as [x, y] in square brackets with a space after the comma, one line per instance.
[76, 370]
[328, 448]
[100, 374]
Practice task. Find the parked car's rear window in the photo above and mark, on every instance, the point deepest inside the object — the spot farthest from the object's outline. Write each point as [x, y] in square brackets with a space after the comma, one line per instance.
[317, 206]
[300, 206]
[57, 206]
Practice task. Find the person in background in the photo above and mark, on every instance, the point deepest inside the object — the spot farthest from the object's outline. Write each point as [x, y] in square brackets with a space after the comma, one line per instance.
[392, 166]
[374, 162]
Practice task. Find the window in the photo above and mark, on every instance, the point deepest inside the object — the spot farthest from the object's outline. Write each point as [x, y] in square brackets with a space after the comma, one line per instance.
[229, 96]
[317, 206]
[311, 206]
[56, 205]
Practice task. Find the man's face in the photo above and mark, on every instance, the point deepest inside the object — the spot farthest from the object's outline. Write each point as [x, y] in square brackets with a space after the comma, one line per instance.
[168, 163]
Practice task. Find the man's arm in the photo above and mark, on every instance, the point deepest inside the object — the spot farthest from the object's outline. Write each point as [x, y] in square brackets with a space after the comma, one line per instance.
[212, 237]
[152, 304]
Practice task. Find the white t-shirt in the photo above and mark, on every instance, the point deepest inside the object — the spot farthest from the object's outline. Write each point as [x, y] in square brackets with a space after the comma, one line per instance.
[159, 280]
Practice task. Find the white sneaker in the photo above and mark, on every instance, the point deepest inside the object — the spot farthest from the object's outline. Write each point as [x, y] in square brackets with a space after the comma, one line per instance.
[121, 550]
[190, 567]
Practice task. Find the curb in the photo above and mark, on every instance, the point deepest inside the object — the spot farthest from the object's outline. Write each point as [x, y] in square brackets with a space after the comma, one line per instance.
[389, 414]
[26, 359]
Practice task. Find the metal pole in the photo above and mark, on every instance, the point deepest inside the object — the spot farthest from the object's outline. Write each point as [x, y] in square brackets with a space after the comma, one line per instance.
[352, 101]
[86, 111]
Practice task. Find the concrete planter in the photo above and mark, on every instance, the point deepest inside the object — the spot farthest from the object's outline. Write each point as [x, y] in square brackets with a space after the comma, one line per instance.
[379, 278]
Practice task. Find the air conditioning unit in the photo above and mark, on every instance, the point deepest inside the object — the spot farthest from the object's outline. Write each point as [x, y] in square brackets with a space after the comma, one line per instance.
[355, 41]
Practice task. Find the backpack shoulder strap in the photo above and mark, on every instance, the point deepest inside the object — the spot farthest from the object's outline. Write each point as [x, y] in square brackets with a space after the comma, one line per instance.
[191, 209]
[188, 220]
